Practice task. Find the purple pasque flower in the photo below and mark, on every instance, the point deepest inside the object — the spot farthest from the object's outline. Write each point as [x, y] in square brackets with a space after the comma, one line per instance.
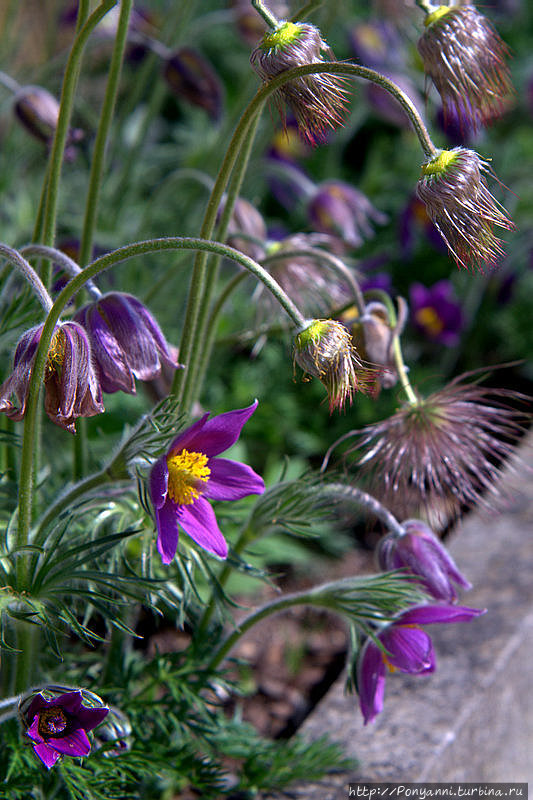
[405, 647]
[189, 474]
[422, 554]
[192, 78]
[436, 312]
[71, 386]
[338, 209]
[58, 726]
[126, 342]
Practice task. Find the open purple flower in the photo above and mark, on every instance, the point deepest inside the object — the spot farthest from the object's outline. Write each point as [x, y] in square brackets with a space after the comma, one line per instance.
[406, 647]
[126, 342]
[436, 312]
[71, 386]
[59, 726]
[421, 553]
[189, 474]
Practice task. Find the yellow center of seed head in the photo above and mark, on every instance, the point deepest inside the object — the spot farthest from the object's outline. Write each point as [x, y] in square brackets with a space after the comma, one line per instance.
[188, 474]
[282, 37]
[439, 12]
[438, 165]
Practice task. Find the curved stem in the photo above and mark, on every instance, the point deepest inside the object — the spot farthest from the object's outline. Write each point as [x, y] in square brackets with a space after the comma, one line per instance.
[29, 274]
[9, 82]
[401, 369]
[342, 491]
[305, 10]
[106, 116]
[333, 261]
[68, 264]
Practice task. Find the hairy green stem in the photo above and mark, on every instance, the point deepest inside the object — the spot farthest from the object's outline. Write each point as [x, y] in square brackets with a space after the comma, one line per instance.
[29, 274]
[345, 492]
[106, 117]
[64, 261]
[306, 9]
[267, 15]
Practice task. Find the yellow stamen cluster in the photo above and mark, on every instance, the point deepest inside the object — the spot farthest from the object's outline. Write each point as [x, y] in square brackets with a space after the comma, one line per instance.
[56, 353]
[52, 720]
[188, 474]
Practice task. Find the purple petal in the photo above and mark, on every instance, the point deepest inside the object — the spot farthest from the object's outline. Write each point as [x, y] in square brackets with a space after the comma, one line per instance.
[89, 718]
[33, 730]
[408, 649]
[158, 482]
[46, 754]
[371, 681]
[231, 480]
[154, 330]
[115, 373]
[220, 432]
[74, 744]
[184, 439]
[167, 530]
[199, 522]
[426, 615]
[70, 701]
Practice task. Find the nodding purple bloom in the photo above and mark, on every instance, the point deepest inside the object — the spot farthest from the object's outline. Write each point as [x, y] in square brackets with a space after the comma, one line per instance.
[38, 111]
[247, 220]
[436, 312]
[126, 342]
[189, 474]
[191, 78]
[71, 386]
[58, 726]
[466, 60]
[317, 101]
[406, 647]
[339, 209]
[422, 554]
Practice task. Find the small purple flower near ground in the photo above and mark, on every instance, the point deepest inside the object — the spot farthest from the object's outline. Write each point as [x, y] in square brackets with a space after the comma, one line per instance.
[436, 312]
[421, 553]
[59, 726]
[407, 648]
[189, 474]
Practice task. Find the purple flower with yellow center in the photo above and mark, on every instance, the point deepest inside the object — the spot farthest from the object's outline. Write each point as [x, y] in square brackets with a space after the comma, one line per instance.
[190, 473]
[58, 726]
[339, 209]
[317, 101]
[71, 385]
[466, 60]
[419, 552]
[436, 312]
[126, 342]
[405, 647]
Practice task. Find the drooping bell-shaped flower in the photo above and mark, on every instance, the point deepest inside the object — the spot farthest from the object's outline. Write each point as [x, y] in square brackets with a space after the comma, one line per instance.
[192, 78]
[38, 111]
[420, 553]
[57, 723]
[317, 101]
[71, 385]
[190, 473]
[405, 647]
[338, 209]
[126, 341]
[466, 59]
[457, 199]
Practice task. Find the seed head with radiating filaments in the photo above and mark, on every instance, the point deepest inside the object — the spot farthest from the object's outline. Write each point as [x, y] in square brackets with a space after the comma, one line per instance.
[466, 60]
[317, 101]
[453, 188]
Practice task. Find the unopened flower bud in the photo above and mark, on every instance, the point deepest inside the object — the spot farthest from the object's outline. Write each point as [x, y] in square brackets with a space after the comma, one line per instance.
[325, 351]
[420, 553]
[317, 101]
[38, 111]
[373, 336]
[191, 78]
[247, 221]
[458, 201]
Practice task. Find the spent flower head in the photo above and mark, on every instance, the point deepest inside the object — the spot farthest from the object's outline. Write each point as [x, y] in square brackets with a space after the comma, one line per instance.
[317, 101]
[325, 350]
[71, 385]
[466, 60]
[403, 646]
[454, 190]
[420, 552]
[189, 474]
[443, 452]
[57, 722]
[126, 342]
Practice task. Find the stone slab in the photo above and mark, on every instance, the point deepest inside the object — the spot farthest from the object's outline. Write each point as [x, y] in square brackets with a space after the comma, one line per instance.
[471, 720]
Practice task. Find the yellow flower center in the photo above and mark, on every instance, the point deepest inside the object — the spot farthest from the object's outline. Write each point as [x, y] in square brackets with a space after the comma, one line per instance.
[439, 12]
[56, 353]
[429, 319]
[188, 474]
[282, 37]
[440, 163]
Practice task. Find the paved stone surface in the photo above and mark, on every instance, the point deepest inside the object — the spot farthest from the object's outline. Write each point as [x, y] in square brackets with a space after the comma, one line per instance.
[472, 720]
